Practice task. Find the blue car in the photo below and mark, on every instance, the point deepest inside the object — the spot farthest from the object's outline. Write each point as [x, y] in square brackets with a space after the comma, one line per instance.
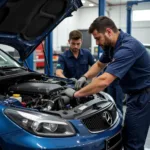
[34, 114]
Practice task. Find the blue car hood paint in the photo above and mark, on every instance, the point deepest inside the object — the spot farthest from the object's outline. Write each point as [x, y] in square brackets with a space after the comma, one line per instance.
[25, 23]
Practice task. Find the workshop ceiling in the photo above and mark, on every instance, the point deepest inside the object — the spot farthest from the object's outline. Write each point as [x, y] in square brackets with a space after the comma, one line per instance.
[86, 3]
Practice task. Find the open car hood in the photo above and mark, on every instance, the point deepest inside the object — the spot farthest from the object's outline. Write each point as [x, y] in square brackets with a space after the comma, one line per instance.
[25, 23]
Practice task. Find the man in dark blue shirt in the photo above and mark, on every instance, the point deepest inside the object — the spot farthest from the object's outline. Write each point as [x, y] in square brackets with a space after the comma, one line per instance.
[74, 63]
[129, 61]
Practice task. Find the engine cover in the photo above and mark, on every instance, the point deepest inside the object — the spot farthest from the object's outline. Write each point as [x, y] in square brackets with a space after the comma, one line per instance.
[35, 88]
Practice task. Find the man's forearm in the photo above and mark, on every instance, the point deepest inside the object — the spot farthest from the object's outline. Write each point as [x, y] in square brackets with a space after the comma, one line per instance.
[59, 73]
[98, 84]
[95, 86]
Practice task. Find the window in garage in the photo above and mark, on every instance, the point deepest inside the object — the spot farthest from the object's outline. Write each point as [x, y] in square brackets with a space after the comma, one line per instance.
[141, 15]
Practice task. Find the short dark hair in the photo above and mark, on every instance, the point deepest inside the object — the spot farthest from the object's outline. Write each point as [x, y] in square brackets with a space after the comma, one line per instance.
[75, 35]
[101, 23]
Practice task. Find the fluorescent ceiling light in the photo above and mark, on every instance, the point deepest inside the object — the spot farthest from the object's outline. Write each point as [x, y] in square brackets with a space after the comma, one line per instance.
[141, 15]
[83, 1]
[91, 5]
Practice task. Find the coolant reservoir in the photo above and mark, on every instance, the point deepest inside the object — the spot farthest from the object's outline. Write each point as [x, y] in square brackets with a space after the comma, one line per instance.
[17, 96]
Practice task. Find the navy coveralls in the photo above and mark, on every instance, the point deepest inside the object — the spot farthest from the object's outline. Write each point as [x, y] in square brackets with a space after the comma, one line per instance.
[75, 67]
[130, 62]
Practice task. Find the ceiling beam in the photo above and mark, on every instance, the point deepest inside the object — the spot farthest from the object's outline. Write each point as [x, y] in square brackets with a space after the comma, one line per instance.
[118, 4]
[107, 2]
[96, 3]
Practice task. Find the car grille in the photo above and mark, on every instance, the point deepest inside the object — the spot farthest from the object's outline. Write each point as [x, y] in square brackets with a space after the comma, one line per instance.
[114, 143]
[97, 122]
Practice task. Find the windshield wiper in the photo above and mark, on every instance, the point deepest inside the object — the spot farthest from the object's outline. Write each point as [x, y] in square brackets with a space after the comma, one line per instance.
[11, 67]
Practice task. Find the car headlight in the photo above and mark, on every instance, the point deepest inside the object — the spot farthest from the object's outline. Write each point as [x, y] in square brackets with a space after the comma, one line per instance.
[39, 123]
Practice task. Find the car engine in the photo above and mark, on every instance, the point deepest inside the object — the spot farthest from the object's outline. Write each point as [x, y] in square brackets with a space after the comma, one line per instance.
[44, 95]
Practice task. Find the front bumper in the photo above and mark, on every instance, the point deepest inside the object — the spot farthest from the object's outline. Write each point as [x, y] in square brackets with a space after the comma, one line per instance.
[83, 140]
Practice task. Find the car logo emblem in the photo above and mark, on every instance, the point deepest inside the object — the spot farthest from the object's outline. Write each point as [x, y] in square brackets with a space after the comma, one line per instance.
[108, 118]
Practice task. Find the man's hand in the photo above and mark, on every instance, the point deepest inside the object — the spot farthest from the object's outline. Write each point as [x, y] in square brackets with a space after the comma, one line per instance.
[68, 92]
[73, 79]
[80, 83]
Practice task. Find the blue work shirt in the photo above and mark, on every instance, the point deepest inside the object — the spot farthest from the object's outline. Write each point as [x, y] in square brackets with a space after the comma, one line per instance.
[130, 62]
[75, 67]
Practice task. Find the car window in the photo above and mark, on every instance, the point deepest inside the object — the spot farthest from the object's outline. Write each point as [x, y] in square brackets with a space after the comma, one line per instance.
[6, 61]
[148, 48]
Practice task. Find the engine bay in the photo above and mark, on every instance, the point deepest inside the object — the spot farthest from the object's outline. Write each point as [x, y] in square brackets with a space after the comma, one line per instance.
[40, 92]
[44, 94]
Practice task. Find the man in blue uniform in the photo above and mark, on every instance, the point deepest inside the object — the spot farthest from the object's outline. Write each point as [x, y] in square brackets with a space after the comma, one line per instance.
[129, 61]
[74, 63]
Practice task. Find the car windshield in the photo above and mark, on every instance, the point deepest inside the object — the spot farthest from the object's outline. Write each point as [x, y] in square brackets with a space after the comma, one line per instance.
[148, 48]
[6, 61]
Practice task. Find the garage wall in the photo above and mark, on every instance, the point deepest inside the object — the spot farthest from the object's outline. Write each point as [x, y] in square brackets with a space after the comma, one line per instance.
[84, 17]
[140, 30]
[61, 32]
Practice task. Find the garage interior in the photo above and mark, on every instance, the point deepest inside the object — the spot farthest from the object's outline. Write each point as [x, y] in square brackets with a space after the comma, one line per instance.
[119, 11]
[131, 16]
